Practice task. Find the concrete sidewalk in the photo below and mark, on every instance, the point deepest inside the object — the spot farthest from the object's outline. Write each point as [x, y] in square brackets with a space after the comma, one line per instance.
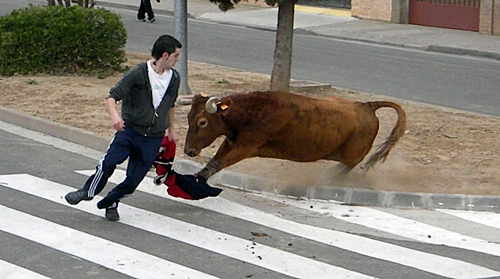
[335, 23]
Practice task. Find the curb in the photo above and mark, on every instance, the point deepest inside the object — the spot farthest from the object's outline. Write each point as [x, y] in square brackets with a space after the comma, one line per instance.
[430, 48]
[347, 196]
[54, 129]
[464, 51]
[343, 195]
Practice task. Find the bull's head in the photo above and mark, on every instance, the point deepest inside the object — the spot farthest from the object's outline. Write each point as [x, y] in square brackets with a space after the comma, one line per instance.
[205, 123]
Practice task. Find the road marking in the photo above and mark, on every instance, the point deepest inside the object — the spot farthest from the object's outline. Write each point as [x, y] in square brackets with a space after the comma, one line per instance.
[120, 258]
[386, 222]
[365, 246]
[484, 218]
[11, 271]
[224, 244]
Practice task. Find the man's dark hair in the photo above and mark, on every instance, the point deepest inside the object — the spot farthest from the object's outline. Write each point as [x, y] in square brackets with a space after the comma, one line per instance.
[165, 43]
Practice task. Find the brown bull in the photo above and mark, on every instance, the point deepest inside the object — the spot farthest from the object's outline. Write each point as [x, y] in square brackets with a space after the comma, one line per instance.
[288, 126]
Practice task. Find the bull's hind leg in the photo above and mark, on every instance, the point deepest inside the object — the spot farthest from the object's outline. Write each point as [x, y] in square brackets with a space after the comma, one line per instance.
[341, 172]
[355, 149]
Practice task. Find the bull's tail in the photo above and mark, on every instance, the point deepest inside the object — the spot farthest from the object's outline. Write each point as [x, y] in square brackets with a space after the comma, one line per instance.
[397, 132]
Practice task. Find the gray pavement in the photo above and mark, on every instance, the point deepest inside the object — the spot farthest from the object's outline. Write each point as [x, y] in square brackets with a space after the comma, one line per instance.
[323, 22]
[335, 23]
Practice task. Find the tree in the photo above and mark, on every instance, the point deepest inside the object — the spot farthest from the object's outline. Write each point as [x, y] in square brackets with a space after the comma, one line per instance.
[280, 76]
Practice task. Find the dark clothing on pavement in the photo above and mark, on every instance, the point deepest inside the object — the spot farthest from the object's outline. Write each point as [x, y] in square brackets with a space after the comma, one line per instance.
[145, 8]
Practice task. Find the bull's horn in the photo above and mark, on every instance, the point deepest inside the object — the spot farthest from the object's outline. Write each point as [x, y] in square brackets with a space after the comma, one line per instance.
[184, 101]
[211, 104]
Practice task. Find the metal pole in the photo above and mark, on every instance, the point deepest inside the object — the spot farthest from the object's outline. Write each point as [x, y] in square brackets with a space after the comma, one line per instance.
[180, 33]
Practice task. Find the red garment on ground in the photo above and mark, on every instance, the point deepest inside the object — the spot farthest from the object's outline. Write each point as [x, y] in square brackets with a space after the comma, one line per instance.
[185, 186]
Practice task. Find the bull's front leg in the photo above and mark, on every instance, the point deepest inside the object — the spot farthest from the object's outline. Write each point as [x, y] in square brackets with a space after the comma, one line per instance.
[227, 155]
[213, 166]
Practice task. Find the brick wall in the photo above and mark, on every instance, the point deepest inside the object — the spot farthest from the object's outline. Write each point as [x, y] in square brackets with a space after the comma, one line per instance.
[496, 18]
[486, 16]
[489, 17]
[372, 9]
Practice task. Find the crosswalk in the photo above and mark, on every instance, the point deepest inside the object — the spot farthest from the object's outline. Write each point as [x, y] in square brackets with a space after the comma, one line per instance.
[210, 238]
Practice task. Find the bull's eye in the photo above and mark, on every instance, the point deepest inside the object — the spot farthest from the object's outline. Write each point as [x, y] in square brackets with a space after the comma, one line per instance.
[202, 122]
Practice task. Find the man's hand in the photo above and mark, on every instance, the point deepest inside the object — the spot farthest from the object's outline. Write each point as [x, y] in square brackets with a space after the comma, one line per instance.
[116, 120]
[117, 123]
[172, 136]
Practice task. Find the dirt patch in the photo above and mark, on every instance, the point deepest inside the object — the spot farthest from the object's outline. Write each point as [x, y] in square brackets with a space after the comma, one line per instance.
[444, 150]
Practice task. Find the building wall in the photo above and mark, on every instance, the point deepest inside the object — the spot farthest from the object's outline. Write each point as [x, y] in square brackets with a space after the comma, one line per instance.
[372, 9]
[496, 18]
[396, 11]
[489, 17]
[486, 16]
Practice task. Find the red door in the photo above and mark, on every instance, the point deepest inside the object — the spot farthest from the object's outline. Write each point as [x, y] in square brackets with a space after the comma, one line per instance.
[453, 14]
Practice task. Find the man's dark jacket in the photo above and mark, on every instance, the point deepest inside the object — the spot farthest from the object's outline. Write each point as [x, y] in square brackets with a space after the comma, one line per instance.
[138, 112]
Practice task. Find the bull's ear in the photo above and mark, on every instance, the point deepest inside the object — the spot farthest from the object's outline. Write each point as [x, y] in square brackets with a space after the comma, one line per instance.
[224, 105]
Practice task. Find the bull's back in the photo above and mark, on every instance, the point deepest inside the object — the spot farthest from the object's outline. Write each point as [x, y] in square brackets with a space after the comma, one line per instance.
[312, 128]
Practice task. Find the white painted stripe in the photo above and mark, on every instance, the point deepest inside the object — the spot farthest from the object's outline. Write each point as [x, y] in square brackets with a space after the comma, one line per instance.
[490, 219]
[120, 258]
[386, 222]
[241, 249]
[11, 271]
[424, 261]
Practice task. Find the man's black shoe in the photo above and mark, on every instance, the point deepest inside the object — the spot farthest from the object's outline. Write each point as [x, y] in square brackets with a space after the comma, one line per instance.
[77, 196]
[112, 214]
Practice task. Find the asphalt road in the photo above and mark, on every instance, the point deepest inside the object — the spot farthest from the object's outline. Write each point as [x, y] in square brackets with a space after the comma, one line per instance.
[453, 81]
[236, 235]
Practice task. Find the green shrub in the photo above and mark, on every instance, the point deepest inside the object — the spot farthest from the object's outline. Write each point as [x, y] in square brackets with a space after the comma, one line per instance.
[59, 40]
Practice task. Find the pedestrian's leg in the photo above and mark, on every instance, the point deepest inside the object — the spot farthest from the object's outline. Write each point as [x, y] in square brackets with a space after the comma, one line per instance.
[149, 10]
[141, 14]
[140, 162]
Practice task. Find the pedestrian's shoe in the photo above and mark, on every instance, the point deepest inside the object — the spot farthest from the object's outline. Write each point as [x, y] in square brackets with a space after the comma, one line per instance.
[77, 196]
[112, 214]
[141, 19]
[152, 20]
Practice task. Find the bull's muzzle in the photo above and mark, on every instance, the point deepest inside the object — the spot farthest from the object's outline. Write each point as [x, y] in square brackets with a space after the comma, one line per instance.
[191, 152]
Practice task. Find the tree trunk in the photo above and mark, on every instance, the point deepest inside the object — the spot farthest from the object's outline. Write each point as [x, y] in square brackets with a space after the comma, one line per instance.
[280, 77]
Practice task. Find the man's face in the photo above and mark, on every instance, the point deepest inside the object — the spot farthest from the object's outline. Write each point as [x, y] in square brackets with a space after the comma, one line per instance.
[171, 59]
